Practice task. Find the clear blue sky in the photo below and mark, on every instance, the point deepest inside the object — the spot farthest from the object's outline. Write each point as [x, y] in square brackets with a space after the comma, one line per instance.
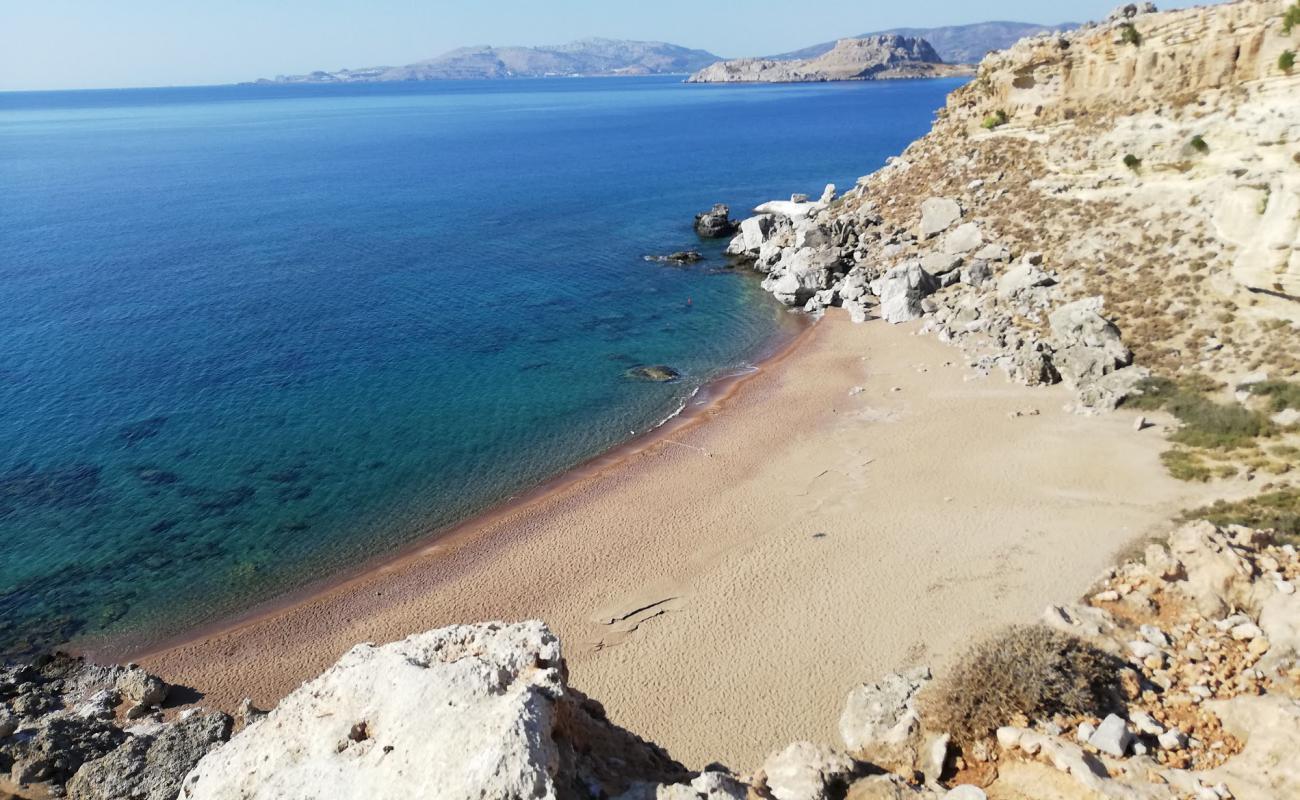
[50, 44]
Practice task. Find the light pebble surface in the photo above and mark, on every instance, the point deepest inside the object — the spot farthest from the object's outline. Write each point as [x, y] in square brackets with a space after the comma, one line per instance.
[798, 545]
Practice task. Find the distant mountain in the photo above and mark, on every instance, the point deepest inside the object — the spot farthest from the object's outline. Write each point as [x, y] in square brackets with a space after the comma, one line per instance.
[585, 57]
[957, 44]
[872, 58]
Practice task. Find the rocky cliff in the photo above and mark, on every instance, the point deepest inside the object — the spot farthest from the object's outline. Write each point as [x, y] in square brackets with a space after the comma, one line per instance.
[1142, 175]
[873, 58]
[955, 44]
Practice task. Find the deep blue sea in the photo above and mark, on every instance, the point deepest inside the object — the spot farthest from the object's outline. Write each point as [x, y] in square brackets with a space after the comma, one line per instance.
[250, 336]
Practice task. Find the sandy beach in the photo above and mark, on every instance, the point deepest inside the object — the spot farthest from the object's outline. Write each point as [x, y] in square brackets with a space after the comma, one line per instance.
[721, 590]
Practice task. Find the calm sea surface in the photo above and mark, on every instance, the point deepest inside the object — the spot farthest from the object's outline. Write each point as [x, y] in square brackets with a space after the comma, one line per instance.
[253, 335]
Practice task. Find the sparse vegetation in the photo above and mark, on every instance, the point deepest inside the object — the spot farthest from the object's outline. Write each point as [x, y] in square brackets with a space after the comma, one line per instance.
[1207, 425]
[1286, 61]
[1186, 466]
[1282, 394]
[1132, 162]
[1199, 145]
[1028, 671]
[1129, 34]
[1278, 511]
[995, 120]
[1290, 19]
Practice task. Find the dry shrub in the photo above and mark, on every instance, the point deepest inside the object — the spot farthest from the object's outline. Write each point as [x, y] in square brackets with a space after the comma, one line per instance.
[1029, 671]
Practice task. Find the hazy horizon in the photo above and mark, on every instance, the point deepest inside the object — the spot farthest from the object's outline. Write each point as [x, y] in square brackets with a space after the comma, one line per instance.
[76, 44]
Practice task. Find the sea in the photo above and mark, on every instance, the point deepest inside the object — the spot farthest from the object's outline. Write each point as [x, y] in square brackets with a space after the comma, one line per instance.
[255, 336]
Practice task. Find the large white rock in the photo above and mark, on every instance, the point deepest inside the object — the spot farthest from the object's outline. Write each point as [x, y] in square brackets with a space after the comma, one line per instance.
[901, 291]
[880, 718]
[1022, 276]
[470, 711]
[805, 771]
[937, 215]
[964, 239]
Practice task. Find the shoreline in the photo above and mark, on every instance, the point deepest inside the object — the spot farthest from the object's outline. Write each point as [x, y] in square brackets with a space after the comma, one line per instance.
[706, 398]
[733, 587]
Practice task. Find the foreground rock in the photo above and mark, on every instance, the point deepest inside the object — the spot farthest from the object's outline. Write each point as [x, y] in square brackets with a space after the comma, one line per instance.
[473, 711]
[873, 58]
[67, 726]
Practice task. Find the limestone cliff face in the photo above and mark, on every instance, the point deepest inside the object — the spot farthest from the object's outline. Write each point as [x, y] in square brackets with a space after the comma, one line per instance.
[1176, 56]
[872, 58]
[1198, 104]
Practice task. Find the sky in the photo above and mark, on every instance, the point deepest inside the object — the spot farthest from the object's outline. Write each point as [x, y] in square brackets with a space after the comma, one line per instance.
[73, 44]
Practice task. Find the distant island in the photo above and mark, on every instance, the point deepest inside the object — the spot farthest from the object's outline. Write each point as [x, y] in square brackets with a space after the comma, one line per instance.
[955, 44]
[884, 57]
[588, 57]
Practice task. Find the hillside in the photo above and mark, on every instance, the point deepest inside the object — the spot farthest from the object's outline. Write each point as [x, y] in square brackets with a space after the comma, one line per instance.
[588, 57]
[873, 58]
[955, 44]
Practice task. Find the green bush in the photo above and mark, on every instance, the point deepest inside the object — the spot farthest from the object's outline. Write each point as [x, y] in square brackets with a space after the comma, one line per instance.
[995, 120]
[1132, 162]
[1199, 145]
[1291, 19]
[1278, 511]
[1129, 34]
[1282, 394]
[1286, 61]
[1216, 425]
[1206, 423]
[1185, 466]
[1026, 669]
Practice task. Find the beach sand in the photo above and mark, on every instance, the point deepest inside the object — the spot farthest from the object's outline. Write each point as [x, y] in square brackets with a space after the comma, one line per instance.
[791, 542]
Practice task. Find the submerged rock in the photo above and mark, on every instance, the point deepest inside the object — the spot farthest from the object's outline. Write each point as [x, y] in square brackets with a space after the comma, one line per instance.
[680, 257]
[657, 373]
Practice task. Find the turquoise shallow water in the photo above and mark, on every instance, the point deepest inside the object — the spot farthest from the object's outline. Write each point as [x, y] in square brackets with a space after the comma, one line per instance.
[253, 335]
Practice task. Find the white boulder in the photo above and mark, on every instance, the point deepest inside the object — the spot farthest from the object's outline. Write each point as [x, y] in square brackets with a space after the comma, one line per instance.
[937, 215]
[470, 711]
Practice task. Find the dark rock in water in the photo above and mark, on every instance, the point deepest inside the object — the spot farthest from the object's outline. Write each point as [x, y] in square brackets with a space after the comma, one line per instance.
[220, 501]
[715, 223]
[680, 257]
[139, 431]
[658, 373]
[68, 487]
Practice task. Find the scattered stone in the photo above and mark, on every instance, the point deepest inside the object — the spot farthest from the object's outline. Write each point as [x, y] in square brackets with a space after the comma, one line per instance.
[1112, 737]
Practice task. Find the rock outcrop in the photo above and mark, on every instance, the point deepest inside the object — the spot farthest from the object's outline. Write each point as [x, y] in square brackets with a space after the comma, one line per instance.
[1096, 204]
[96, 733]
[883, 57]
[469, 711]
[715, 223]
